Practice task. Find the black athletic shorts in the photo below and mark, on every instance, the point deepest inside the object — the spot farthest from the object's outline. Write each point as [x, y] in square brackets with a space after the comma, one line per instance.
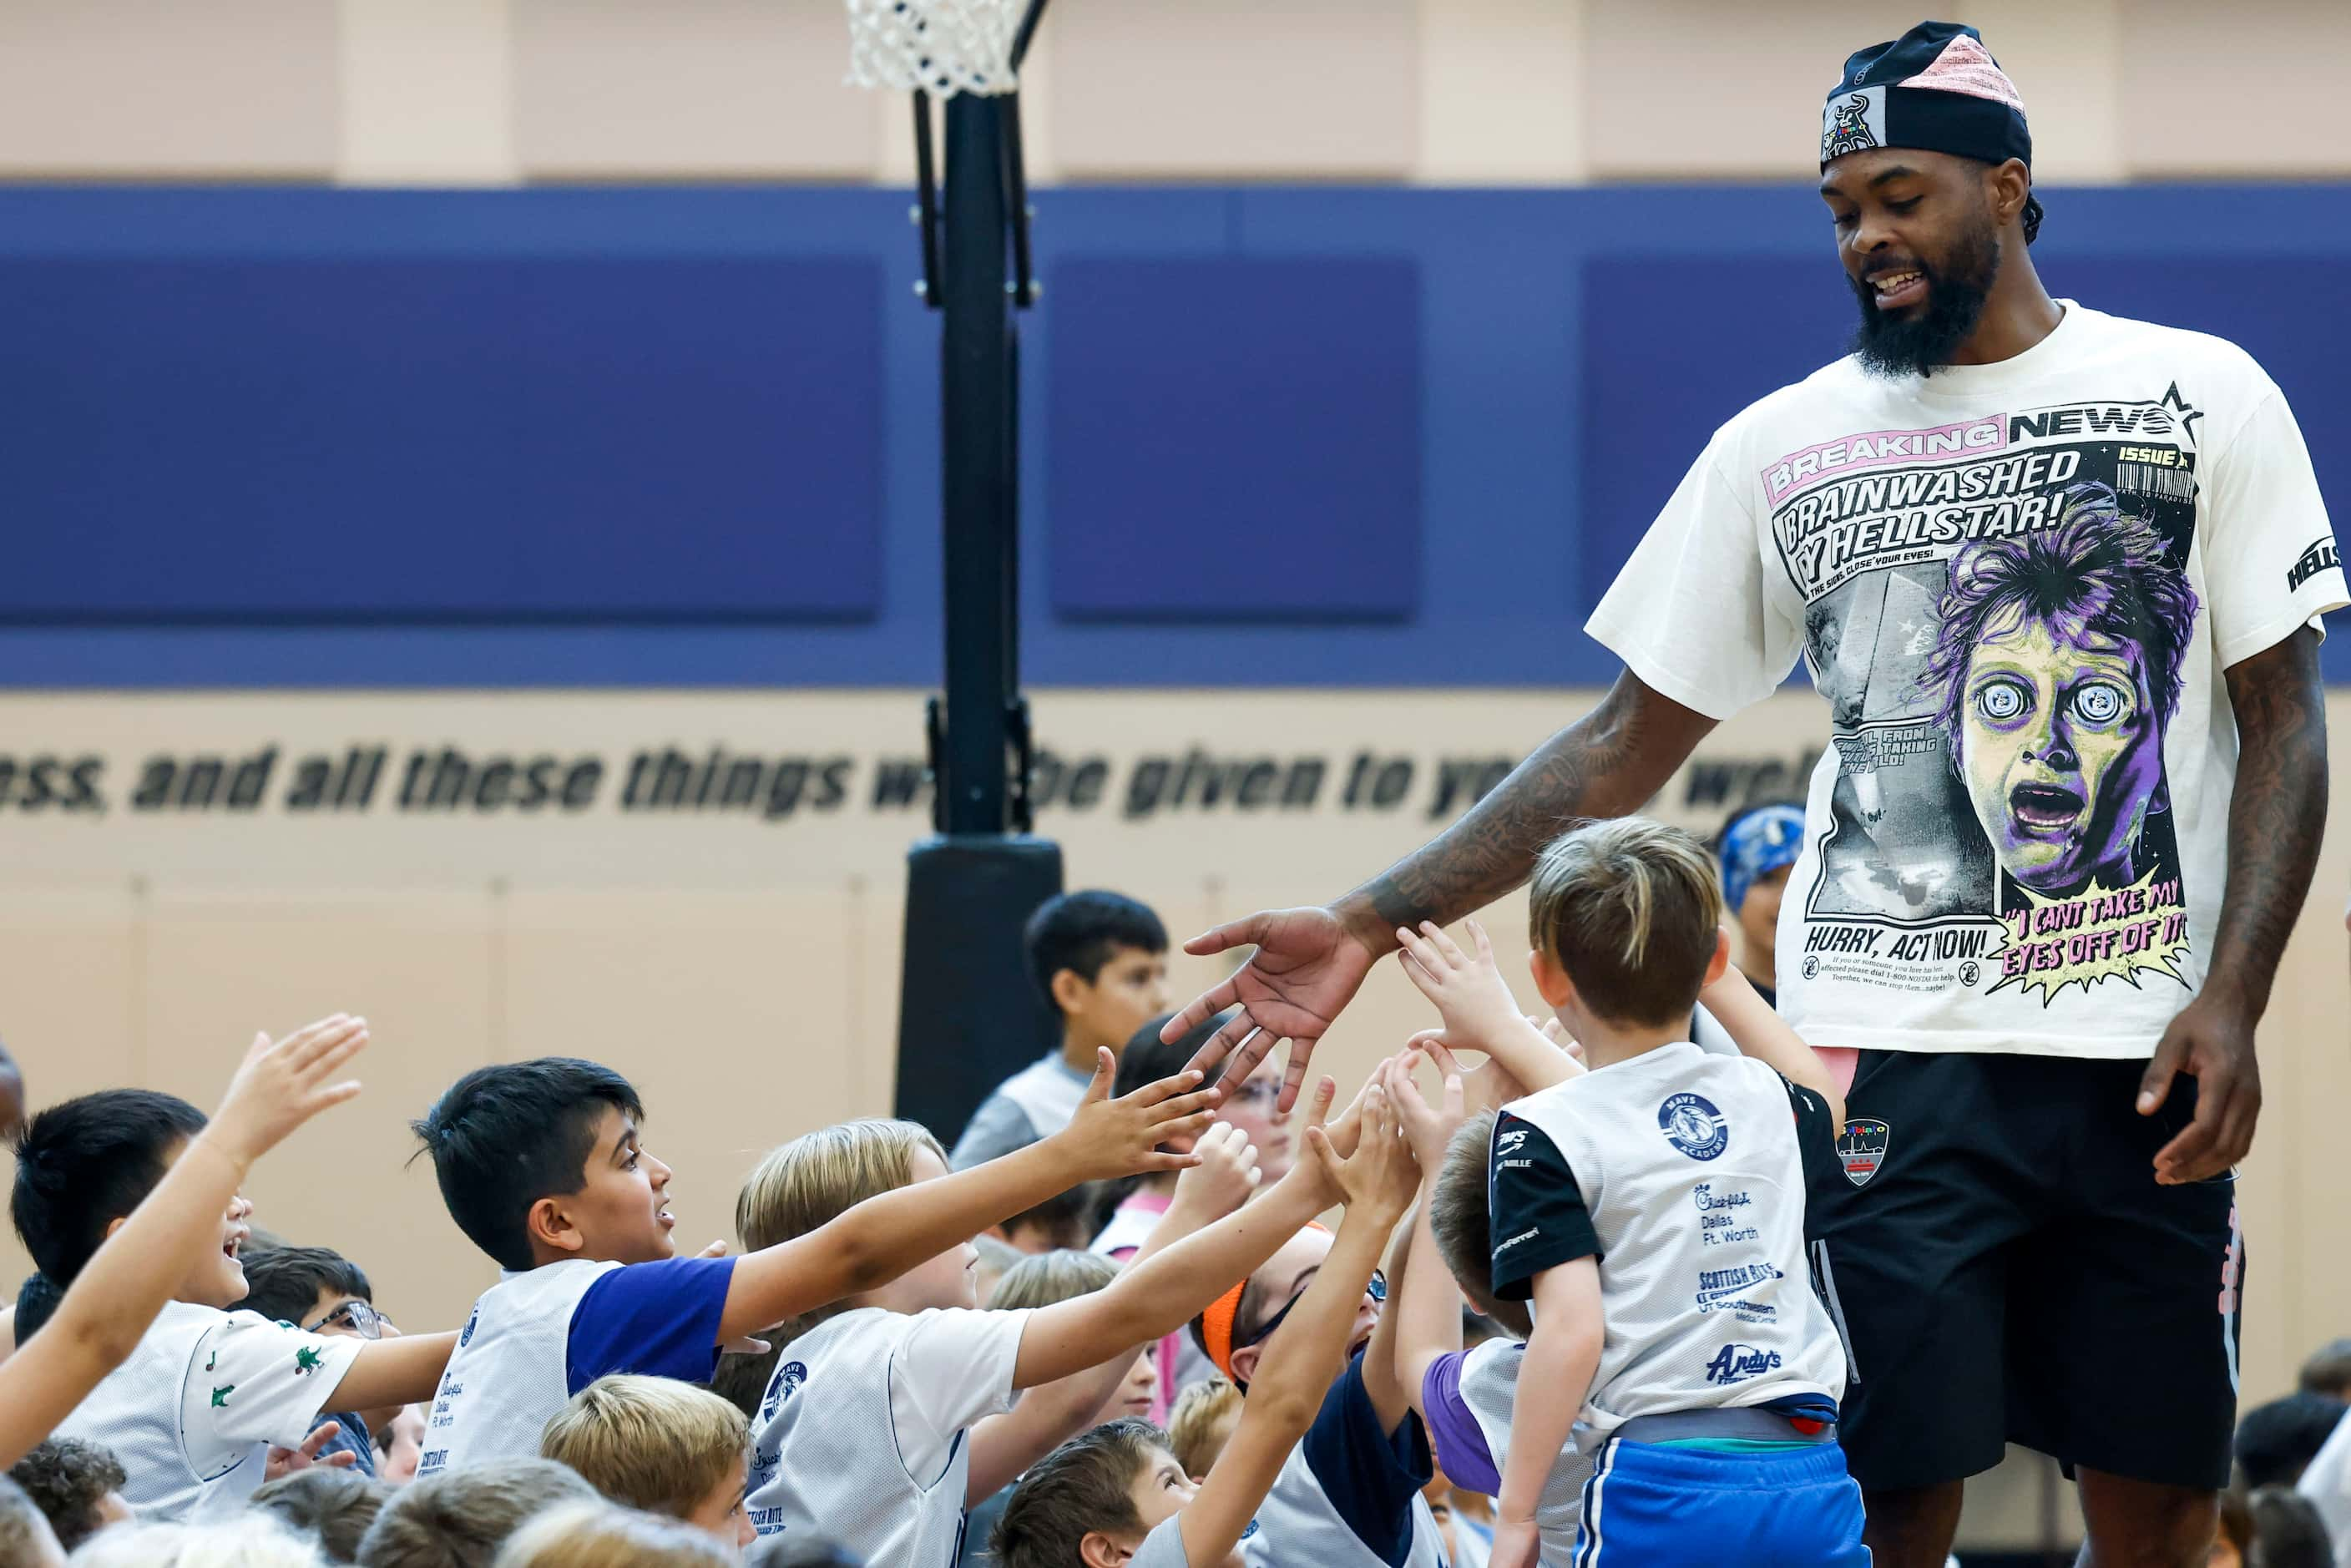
[2006, 1269]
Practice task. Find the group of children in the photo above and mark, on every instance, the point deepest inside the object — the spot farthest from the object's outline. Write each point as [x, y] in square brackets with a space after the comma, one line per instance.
[1222, 1379]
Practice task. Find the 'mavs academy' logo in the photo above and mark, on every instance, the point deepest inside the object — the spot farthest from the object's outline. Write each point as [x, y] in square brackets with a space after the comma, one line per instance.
[1738, 1362]
[1693, 1125]
[788, 1378]
[1862, 1148]
[2316, 558]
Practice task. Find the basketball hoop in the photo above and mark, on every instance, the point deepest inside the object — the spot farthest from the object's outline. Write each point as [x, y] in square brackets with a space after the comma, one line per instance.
[937, 46]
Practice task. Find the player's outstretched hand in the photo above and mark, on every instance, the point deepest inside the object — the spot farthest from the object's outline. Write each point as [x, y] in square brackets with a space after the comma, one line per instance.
[1228, 1173]
[1121, 1138]
[283, 1083]
[1307, 966]
[1467, 988]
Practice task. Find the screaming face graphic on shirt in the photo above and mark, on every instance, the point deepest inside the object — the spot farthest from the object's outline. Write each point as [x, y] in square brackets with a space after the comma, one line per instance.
[2058, 663]
[2000, 636]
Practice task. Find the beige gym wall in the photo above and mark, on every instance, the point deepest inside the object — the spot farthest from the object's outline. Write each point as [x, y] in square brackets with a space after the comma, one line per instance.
[1442, 92]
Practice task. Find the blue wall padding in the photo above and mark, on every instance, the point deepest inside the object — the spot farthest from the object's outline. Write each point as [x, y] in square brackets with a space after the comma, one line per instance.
[1339, 436]
[1269, 464]
[501, 437]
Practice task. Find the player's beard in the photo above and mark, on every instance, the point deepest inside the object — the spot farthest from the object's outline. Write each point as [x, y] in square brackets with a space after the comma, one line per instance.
[1956, 292]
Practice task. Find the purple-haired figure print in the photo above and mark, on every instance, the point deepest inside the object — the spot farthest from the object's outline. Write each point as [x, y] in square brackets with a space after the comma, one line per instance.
[2058, 660]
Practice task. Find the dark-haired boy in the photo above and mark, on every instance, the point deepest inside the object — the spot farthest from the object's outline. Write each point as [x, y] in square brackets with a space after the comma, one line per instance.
[319, 1290]
[192, 1415]
[1101, 958]
[542, 1166]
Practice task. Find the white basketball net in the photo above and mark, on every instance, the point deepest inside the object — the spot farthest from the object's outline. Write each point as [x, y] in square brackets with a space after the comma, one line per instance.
[942, 47]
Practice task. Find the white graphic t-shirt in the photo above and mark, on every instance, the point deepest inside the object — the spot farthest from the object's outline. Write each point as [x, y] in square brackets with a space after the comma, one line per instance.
[192, 1415]
[2018, 586]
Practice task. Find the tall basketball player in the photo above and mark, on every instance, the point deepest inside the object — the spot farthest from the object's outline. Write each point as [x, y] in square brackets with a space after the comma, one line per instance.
[2060, 575]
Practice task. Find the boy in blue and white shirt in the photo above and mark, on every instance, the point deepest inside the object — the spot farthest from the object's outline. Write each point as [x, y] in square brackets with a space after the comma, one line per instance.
[1652, 1208]
[542, 1167]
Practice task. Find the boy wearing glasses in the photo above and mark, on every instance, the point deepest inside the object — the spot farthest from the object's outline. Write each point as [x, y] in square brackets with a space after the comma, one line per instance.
[1349, 1495]
[320, 1291]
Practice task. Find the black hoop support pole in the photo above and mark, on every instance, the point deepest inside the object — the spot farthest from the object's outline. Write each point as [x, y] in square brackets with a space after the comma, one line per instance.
[926, 200]
[968, 1017]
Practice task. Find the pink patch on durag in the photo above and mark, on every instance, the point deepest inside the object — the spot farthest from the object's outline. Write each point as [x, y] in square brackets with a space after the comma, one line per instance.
[1965, 65]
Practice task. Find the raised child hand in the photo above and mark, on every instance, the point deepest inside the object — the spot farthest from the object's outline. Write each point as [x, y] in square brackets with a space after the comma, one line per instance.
[1467, 988]
[281, 1085]
[1121, 1138]
[1228, 1173]
[285, 1461]
[1427, 1128]
[1380, 1176]
[1343, 1132]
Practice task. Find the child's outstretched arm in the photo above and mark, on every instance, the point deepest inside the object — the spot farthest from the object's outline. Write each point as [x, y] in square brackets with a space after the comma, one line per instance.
[1003, 1446]
[1479, 1010]
[1425, 1301]
[1563, 1358]
[1764, 1034]
[110, 1303]
[403, 1371]
[883, 1237]
[1307, 1352]
[1160, 1295]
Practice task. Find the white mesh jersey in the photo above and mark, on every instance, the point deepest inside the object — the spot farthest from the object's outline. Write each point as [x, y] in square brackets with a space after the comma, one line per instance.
[1691, 1172]
[1299, 1527]
[507, 1376]
[1709, 1036]
[192, 1415]
[1490, 1388]
[863, 1438]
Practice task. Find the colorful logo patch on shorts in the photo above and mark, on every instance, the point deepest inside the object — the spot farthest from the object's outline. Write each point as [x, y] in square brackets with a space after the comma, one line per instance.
[1862, 1148]
[1693, 1125]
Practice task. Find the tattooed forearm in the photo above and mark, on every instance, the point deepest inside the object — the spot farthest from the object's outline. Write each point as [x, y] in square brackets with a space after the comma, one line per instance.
[1607, 763]
[2276, 816]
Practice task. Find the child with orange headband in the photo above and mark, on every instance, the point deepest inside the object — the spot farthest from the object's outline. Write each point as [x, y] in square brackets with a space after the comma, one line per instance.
[1117, 1494]
[1349, 1494]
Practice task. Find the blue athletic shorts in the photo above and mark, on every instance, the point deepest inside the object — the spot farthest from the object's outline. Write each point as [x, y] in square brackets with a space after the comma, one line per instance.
[1652, 1507]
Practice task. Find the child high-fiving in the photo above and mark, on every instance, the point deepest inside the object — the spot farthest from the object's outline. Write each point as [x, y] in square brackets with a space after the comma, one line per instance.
[1060, 1514]
[1480, 1014]
[174, 1230]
